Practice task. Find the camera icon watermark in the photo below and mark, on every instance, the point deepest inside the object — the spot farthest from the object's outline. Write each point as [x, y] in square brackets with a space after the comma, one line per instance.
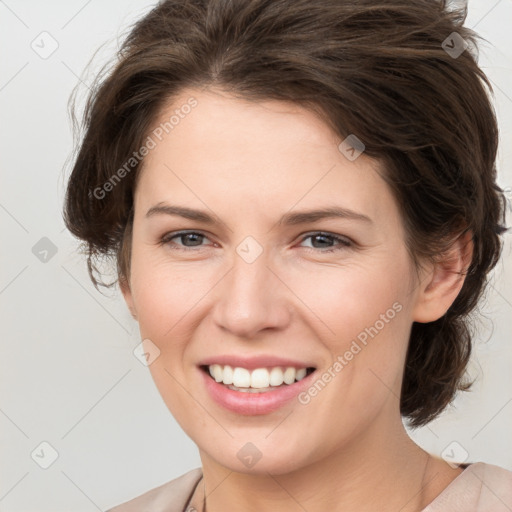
[249, 455]
[454, 454]
[44, 455]
[146, 352]
[249, 249]
[44, 250]
[45, 45]
[454, 45]
[351, 147]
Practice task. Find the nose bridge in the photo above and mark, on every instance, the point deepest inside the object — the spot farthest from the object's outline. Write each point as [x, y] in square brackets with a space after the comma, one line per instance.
[250, 297]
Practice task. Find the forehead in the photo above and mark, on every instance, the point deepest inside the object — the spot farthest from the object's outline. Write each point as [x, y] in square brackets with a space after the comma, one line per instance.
[258, 155]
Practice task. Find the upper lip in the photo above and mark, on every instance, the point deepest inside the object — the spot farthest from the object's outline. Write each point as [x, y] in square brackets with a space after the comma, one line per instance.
[251, 363]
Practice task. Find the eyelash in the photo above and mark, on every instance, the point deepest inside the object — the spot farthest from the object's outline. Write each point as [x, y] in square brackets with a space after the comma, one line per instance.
[344, 243]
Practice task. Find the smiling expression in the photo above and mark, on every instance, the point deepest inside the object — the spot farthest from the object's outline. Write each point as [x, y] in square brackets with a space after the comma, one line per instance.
[259, 254]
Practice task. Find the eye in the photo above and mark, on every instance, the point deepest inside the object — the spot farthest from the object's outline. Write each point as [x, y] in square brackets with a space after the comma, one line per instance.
[188, 239]
[324, 241]
[321, 242]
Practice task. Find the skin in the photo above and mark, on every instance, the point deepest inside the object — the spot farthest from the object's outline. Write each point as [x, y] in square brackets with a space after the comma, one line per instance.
[247, 163]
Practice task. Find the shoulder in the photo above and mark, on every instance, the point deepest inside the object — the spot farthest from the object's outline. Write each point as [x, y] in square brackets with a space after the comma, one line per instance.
[169, 497]
[481, 487]
[496, 490]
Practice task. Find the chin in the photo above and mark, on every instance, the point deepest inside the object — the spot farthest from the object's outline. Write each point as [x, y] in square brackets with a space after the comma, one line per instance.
[261, 458]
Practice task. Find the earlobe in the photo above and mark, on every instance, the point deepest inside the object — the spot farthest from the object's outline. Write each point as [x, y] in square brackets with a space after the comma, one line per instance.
[441, 284]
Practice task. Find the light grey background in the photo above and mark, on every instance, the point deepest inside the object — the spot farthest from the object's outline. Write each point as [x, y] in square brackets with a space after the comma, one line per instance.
[68, 374]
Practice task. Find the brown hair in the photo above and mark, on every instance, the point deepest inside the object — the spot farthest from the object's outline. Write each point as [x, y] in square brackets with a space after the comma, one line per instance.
[374, 68]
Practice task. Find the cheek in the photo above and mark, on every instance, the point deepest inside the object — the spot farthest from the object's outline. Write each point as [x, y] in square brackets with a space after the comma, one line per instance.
[349, 301]
[166, 294]
[364, 318]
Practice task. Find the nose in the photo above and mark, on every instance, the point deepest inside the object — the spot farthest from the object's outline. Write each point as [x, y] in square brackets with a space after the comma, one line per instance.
[251, 298]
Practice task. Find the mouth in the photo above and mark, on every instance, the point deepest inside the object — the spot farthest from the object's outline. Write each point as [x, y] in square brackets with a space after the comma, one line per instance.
[255, 385]
[257, 380]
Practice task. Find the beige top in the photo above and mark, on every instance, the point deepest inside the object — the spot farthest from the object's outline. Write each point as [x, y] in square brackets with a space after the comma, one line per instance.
[480, 487]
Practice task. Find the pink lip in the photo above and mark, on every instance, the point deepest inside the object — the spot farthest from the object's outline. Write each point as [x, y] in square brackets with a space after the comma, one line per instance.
[251, 404]
[251, 363]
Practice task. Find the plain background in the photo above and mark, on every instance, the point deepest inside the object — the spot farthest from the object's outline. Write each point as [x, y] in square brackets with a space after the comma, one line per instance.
[68, 374]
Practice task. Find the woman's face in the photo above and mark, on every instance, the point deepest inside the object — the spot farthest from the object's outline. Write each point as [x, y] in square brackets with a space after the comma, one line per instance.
[263, 287]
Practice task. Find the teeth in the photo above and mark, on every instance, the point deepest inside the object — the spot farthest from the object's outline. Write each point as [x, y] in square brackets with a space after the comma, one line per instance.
[276, 377]
[216, 372]
[260, 378]
[227, 376]
[241, 378]
[300, 374]
[289, 375]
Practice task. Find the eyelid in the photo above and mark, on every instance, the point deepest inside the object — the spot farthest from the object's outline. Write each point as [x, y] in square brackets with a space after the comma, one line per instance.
[343, 238]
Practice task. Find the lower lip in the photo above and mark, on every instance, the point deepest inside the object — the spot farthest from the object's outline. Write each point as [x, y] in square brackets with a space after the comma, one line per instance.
[253, 403]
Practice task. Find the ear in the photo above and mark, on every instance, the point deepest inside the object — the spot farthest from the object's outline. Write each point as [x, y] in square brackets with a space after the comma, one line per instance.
[442, 282]
[124, 285]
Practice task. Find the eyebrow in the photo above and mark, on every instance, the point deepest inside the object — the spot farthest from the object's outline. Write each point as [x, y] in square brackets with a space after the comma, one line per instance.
[288, 219]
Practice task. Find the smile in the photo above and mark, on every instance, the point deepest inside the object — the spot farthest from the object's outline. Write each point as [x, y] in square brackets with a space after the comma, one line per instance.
[257, 380]
[256, 388]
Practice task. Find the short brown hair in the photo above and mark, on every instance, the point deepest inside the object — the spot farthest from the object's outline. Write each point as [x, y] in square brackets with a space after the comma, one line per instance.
[377, 69]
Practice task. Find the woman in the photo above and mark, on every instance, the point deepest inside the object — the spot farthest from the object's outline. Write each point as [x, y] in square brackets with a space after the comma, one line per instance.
[301, 201]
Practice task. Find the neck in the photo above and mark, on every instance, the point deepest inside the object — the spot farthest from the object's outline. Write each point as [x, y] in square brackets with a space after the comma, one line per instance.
[383, 469]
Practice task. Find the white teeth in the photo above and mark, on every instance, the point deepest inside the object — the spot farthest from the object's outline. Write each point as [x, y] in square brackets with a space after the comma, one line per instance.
[260, 378]
[227, 377]
[289, 376]
[216, 372]
[300, 374]
[276, 377]
[241, 378]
